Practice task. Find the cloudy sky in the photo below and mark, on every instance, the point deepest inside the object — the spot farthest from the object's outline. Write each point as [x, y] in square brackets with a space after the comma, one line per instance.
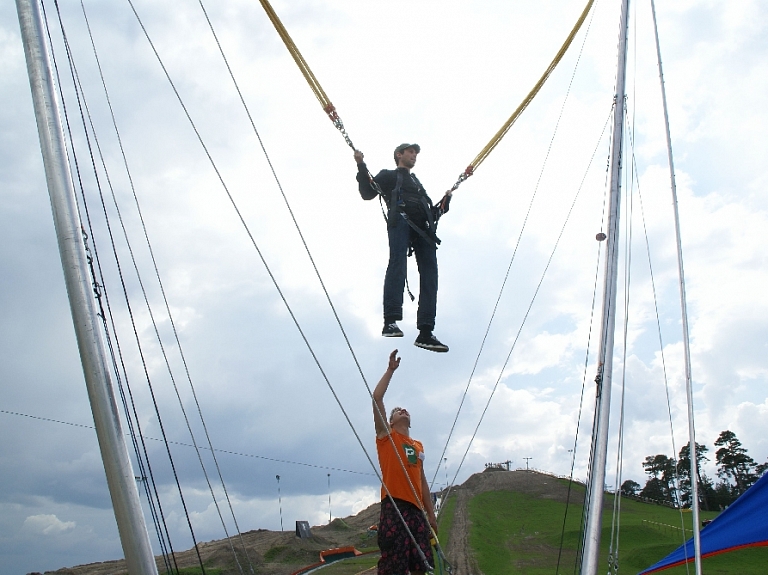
[444, 74]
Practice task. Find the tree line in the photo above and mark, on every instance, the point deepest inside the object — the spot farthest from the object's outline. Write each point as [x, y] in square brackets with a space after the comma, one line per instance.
[669, 479]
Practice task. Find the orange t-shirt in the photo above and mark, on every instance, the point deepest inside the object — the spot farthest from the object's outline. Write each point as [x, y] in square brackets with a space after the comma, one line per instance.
[412, 455]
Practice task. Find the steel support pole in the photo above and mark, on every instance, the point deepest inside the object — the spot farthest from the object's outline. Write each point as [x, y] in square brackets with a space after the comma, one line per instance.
[98, 380]
[593, 527]
[684, 312]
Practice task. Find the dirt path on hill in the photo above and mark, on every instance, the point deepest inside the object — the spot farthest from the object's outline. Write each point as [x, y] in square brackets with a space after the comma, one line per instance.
[458, 552]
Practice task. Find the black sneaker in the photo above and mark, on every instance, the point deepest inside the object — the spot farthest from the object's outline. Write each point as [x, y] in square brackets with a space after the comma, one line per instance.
[391, 330]
[428, 341]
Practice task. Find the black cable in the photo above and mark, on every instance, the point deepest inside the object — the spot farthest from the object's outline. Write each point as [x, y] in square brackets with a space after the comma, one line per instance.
[598, 386]
[168, 311]
[661, 341]
[322, 283]
[182, 444]
[162, 347]
[530, 305]
[129, 307]
[583, 379]
[514, 252]
[97, 287]
[263, 260]
[613, 546]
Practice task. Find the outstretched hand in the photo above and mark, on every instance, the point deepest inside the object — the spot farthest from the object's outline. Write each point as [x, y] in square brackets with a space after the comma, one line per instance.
[394, 361]
[359, 156]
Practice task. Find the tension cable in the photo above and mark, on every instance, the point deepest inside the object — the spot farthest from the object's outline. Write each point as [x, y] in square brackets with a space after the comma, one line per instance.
[524, 104]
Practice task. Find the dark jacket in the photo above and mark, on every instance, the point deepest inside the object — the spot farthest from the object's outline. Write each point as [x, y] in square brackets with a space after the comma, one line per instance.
[412, 198]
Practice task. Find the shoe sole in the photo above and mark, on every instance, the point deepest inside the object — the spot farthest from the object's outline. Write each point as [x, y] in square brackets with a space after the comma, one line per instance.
[428, 347]
[392, 334]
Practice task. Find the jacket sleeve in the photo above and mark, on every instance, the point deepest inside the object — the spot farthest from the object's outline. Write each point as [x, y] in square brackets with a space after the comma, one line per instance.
[367, 192]
[447, 204]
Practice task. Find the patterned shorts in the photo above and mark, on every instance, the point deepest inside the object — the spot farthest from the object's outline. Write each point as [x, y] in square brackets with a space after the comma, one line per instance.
[398, 553]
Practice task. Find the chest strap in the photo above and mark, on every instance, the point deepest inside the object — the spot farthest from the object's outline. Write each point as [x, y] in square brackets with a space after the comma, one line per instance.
[396, 205]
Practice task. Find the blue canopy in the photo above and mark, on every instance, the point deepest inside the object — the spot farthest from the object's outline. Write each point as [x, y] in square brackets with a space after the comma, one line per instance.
[743, 524]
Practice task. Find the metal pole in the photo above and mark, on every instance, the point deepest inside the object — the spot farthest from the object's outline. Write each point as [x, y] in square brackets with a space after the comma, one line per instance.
[589, 560]
[684, 312]
[114, 453]
[279, 502]
[329, 499]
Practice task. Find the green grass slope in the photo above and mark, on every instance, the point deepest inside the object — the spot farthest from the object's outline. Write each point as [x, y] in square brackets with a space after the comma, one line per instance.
[520, 533]
[445, 522]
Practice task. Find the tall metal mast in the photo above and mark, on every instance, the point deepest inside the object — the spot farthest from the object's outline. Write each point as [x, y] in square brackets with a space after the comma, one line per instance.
[594, 512]
[98, 380]
[684, 311]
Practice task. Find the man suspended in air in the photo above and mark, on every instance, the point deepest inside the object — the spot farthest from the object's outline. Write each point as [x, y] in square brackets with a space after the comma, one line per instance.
[411, 224]
[402, 470]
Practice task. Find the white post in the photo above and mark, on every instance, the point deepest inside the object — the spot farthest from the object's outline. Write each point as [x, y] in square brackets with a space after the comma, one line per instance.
[684, 312]
[593, 527]
[114, 453]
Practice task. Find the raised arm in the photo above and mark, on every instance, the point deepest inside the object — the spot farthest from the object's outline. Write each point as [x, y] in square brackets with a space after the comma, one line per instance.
[364, 184]
[379, 411]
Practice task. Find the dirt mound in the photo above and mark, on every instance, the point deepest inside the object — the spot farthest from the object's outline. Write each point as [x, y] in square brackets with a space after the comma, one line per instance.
[274, 552]
[281, 552]
[532, 483]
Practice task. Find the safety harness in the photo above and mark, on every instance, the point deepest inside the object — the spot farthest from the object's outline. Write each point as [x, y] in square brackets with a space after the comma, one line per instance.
[433, 213]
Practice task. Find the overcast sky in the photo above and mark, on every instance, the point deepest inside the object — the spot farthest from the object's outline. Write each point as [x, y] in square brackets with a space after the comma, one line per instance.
[444, 74]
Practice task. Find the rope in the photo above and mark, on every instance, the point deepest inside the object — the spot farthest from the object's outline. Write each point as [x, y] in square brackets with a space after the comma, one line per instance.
[170, 316]
[514, 253]
[99, 288]
[333, 115]
[524, 104]
[263, 260]
[586, 366]
[658, 331]
[530, 306]
[613, 545]
[315, 86]
[317, 272]
[183, 444]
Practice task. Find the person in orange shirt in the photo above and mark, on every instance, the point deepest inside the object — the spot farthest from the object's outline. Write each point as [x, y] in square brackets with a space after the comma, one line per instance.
[402, 470]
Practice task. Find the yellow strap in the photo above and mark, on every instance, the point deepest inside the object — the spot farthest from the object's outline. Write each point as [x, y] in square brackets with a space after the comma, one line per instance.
[333, 115]
[527, 100]
[328, 108]
[297, 57]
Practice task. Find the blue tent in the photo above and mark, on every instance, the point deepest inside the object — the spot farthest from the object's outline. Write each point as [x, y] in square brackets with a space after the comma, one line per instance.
[743, 524]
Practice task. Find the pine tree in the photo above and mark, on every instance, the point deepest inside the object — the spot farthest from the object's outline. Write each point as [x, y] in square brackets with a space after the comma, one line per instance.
[661, 483]
[734, 464]
[684, 475]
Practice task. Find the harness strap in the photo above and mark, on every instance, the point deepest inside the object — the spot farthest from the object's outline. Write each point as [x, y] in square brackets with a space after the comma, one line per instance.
[432, 239]
[396, 205]
[394, 198]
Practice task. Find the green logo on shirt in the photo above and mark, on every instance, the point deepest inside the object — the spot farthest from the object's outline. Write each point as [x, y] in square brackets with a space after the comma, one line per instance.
[410, 453]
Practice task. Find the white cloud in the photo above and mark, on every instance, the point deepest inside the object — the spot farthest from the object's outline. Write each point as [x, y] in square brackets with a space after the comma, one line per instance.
[47, 524]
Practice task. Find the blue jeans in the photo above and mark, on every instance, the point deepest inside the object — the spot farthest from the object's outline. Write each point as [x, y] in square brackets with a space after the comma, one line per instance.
[401, 236]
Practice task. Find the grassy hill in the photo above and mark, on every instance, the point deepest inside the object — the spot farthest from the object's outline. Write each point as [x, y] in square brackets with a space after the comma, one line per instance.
[496, 523]
[515, 530]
